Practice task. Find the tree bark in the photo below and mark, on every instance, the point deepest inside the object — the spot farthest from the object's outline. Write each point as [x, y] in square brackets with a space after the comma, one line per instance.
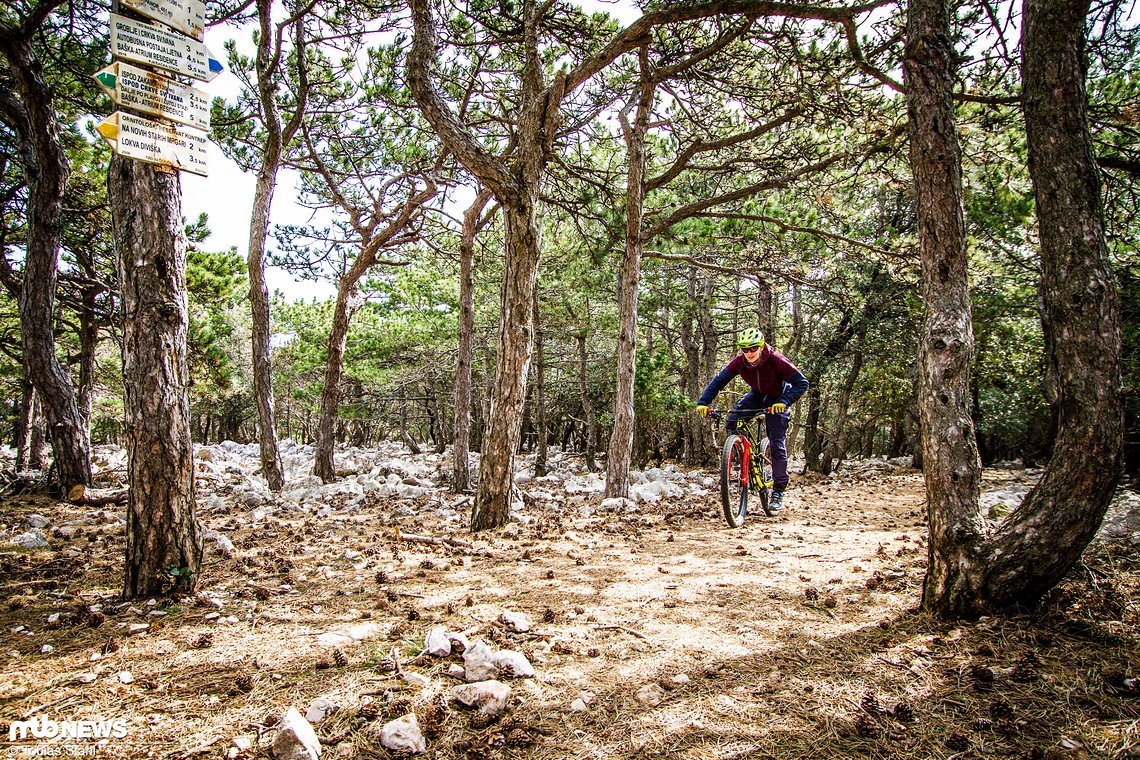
[587, 407]
[46, 170]
[164, 551]
[461, 477]
[277, 135]
[348, 300]
[1044, 537]
[1042, 540]
[517, 188]
[950, 455]
[508, 396]
[621, 438]
[539, 393]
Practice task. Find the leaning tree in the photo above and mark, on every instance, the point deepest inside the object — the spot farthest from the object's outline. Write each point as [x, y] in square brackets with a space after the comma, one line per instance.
[29, 109]
[974, 569]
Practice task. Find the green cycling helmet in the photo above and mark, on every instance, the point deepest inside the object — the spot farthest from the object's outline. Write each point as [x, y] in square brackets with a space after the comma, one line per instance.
[749, 338]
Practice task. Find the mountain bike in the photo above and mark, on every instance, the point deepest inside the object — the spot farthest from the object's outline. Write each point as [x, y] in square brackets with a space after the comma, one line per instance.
[745, 467]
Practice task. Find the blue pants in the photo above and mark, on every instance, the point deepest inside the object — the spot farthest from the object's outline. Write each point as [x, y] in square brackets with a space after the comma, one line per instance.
[777, 428]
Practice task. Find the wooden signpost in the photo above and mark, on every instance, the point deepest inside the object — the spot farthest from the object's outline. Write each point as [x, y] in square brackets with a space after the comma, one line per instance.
[178, 140]
[153, 45]
[178, 147]
[187, 16]
[145, 91]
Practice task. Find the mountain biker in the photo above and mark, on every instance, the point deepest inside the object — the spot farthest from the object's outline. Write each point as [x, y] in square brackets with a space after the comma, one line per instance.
[776, 384]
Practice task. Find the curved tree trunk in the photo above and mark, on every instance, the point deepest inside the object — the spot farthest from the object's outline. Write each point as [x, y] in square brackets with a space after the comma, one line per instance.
[347, 302]
[46, 169]
[271, 467]
[1043, 538]
[164, 551]
[517, 187]
[461, 468]
[269, 59]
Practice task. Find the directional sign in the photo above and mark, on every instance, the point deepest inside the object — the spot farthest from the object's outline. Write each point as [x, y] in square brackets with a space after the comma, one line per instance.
[167, 144]
[157, 46]
[148, 92]
[187, 16]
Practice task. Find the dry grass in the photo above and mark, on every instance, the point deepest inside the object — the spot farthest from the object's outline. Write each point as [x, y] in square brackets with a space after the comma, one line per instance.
[796, 638]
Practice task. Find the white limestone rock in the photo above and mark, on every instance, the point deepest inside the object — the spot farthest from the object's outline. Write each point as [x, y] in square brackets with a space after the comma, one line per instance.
[517, 621]
[490, 698]
[403, 735]
[296, 739]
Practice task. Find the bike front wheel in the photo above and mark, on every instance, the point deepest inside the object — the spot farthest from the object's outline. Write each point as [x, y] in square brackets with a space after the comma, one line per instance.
[763, 477]
[734, 480]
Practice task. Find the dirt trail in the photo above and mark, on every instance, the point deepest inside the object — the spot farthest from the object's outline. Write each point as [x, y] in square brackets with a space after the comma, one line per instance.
[790, 637]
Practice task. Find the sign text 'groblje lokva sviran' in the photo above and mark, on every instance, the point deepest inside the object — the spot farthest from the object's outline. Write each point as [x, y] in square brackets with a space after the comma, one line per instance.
[153, 45]
[171, 145]
[142, 90]
[187, 16]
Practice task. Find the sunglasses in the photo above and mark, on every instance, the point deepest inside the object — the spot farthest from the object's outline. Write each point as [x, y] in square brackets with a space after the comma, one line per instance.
[750, 349]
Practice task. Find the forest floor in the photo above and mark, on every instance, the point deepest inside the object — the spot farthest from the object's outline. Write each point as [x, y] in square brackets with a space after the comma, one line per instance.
[657, 634]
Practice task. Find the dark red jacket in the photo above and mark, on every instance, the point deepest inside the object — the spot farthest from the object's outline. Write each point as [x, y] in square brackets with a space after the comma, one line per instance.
[773, 376]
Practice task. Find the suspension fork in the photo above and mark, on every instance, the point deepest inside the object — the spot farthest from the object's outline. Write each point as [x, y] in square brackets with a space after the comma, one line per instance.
[746, 462]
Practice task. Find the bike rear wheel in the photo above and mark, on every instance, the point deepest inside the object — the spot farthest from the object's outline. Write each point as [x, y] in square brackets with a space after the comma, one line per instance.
[733, 483]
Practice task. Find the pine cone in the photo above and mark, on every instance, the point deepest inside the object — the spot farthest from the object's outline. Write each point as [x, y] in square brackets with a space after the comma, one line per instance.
[433, 719]
[110, 645]
[870, 703]
[549, 616]
[903, 712]
[983, 677]
[1023, 673]
[323, 664]
[397, 707]
[866, 726]
[519, 737]
[369, 711]
[96, 619]
[340, 658]
[205, 641]
[413, 614]
[811, 594]
[244, 683]
[957, 742]
[381, 577]
[1001, 710]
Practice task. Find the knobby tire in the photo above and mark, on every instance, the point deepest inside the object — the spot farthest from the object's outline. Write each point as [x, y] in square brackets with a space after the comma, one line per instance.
[733, 492]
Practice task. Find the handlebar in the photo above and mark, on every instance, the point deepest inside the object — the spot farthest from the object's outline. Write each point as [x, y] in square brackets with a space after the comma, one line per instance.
[718, 414]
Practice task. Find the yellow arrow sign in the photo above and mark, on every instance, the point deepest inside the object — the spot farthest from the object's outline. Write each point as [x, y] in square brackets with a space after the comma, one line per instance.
[154, 142]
